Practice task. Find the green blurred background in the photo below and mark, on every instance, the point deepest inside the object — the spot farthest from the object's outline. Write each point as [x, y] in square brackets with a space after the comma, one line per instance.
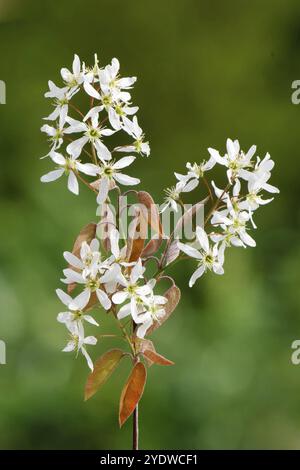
[206, 70]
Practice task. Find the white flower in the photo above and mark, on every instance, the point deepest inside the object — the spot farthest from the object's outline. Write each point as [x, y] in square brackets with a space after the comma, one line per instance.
[172, 198]
[118, 112]
[93, 133]
[56, 134]
[235, 159]
[209, 257]
[233, 221]
[132, 291]
[75, 306]
[61, 97]
[261, 173]
[70, 166]
[78, 341]
[254, 199]
[196, 171]
[73, 78]
[132, 128]
[112, 84]
[92, 282]
[111, 171]
[89, 257]
[154, 311]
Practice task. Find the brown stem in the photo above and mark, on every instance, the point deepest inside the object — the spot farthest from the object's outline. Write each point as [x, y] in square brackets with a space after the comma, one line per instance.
[76, 109]
[216, 205]
[135, 429]
[86, 183]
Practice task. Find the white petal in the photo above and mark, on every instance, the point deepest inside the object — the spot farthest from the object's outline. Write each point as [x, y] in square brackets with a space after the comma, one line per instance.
[216, 156]
[190, 186]
[142, 329]
[81, 300]
[198, 273]
[189, 250]
[102, 151]
[90, 90]
[76, 65]
[65, 298]
[75, 147]
[73, 183]
[90, 340]
[271, 189]
[119, 297]
[114, 242]
[124, 311]
[88, 358]
[114, 119]
[88, 168]
[123, 162]
[70, 347]
[245, 237]
[90, 320]
[73, 276]
[126, 180]
[57, 158]
[103, 299]
[202, 238]
[73, 260]
[64, 317]
[52, 176]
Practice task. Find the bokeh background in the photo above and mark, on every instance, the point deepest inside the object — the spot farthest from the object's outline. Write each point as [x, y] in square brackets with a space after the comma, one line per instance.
[207, 70]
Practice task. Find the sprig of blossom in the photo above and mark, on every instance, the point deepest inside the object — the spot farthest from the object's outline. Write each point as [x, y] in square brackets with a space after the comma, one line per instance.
[110, 274]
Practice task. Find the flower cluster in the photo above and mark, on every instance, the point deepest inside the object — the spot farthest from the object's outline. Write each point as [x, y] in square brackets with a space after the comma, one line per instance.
[247, 178]
[72, 141]
[111, 282]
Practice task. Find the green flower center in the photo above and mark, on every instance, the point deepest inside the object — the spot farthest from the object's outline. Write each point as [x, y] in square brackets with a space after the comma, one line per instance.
[106, 100]
[92, 284]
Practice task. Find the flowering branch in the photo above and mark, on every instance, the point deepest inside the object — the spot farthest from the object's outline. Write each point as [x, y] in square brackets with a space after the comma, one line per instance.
[114, 276]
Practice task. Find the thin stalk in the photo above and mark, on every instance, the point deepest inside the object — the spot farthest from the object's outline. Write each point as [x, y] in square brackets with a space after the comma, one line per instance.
[86, 183]
[135, 416]
[135, 429]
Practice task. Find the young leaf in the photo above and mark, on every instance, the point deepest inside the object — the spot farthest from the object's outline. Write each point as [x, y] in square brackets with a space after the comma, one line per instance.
[85, 235]
[143, 344]
[151, 247]
[132, 392]
[173, 295]
[157, 358]
[136, 238]
[103, 368]
[172, 253]
[153, 217]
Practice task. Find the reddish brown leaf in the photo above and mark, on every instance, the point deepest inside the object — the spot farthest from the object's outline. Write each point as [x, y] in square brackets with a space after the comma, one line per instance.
[85, 235]
[132, 392]
[103, 368]
[141, 345]
[136, 238]
[172, 253]
[152, 217]
[151, 247]
[157, 358]
[173, 295]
